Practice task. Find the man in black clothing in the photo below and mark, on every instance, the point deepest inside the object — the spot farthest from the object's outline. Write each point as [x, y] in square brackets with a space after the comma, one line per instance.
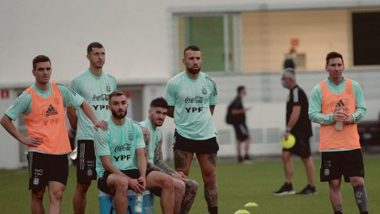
[237, 111]
[299, 125]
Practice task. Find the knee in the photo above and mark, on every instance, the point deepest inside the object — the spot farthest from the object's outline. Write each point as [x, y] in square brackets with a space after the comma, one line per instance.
[180, 189]
[209, 177]
[38, 195]
[167, 183]
[83, 187]
[192, 186]
[121, 184]
[57, 195]
[357, 181]
[334, 185]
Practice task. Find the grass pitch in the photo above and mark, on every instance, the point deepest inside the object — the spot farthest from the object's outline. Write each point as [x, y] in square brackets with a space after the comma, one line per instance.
[237, 184]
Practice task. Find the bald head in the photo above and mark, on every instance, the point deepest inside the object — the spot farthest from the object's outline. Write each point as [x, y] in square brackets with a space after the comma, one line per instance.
[289, 73]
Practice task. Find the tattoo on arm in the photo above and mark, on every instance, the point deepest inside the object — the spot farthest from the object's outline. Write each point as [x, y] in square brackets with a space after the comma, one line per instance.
[159, 161]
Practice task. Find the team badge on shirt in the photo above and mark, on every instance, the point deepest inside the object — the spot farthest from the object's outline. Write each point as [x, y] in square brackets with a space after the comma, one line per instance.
[130, 136]
[204, 91]
[108, 88]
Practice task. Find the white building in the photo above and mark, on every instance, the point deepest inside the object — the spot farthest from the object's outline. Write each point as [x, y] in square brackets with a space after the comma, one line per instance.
[243, 42]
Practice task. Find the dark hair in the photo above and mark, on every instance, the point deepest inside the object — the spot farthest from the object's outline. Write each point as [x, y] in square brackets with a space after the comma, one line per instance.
[93, 45]
[159, 102]
[240, 88]
[115, 93]
[40, 58]
[191, 47]
[333, 55]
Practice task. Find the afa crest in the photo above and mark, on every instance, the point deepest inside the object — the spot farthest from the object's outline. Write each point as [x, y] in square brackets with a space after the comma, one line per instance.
[204, 91]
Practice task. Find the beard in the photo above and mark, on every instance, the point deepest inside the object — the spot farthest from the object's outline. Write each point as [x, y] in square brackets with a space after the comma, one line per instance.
[118, 115]
[158, 123]
[194, 70]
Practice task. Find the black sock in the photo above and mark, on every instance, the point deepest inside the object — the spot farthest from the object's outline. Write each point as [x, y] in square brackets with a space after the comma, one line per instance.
[338, 209]
[361, 198]
[213, 210]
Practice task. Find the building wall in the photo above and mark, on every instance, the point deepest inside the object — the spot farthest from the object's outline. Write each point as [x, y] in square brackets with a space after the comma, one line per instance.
[138, 35]
[266, 37]
[140, 41]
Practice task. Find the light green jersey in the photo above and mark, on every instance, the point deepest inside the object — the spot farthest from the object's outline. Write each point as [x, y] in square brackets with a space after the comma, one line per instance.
[155, 138]
[23, 103]
[95, 90]
[120, 144]
[192, 100]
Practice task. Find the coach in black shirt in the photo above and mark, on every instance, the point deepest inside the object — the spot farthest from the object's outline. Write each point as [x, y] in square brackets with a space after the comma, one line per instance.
[299, 125]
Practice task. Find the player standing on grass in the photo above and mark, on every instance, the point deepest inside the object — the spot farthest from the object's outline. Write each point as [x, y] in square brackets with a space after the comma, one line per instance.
[185, 188]
[43, 105]
[192, 97]
[337, 104]
[94, 85]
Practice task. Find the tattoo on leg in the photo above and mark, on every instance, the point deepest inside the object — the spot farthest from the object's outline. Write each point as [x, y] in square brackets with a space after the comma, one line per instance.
[212, 158]
[361, 198]
[211, 194]
[188, 198]
[180, 161]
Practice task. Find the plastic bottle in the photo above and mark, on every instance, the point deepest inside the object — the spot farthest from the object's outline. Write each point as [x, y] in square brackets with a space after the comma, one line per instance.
[139, 203]
[339, 126]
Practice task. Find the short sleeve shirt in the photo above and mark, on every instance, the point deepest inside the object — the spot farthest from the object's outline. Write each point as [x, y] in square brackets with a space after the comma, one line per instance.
[95, 90]
[155, 138]
[23, 103]
[120, 143]
[298, 97]
[237, 104]
[192, 100]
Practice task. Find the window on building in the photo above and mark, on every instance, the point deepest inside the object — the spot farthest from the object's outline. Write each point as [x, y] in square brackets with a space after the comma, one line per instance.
[216, 35]
[366, 34]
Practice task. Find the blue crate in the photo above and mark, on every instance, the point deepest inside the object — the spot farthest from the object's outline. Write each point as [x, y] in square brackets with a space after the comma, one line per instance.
[107, 206]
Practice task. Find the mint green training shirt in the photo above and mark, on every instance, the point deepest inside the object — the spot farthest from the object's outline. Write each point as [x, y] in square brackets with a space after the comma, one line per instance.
[192, 100]
[315, 103]
[95, 91]
[23, 103]
[120, 143]
[155, 138]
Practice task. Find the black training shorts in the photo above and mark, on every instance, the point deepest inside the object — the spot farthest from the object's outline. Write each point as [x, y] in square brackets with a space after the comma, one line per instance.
[301, 148]
[346, 163]
[241, 132]
[45, 167]
[86, 162]
[102, 181]
[208, 146]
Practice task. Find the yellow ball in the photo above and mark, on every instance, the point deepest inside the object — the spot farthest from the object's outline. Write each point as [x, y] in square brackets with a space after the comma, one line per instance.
[289, 142]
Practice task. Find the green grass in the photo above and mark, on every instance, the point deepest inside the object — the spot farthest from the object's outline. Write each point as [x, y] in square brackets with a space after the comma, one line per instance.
[237, 183]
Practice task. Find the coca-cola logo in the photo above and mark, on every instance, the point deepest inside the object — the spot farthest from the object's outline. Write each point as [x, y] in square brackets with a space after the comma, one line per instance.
[197, 99]
[125, 147]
